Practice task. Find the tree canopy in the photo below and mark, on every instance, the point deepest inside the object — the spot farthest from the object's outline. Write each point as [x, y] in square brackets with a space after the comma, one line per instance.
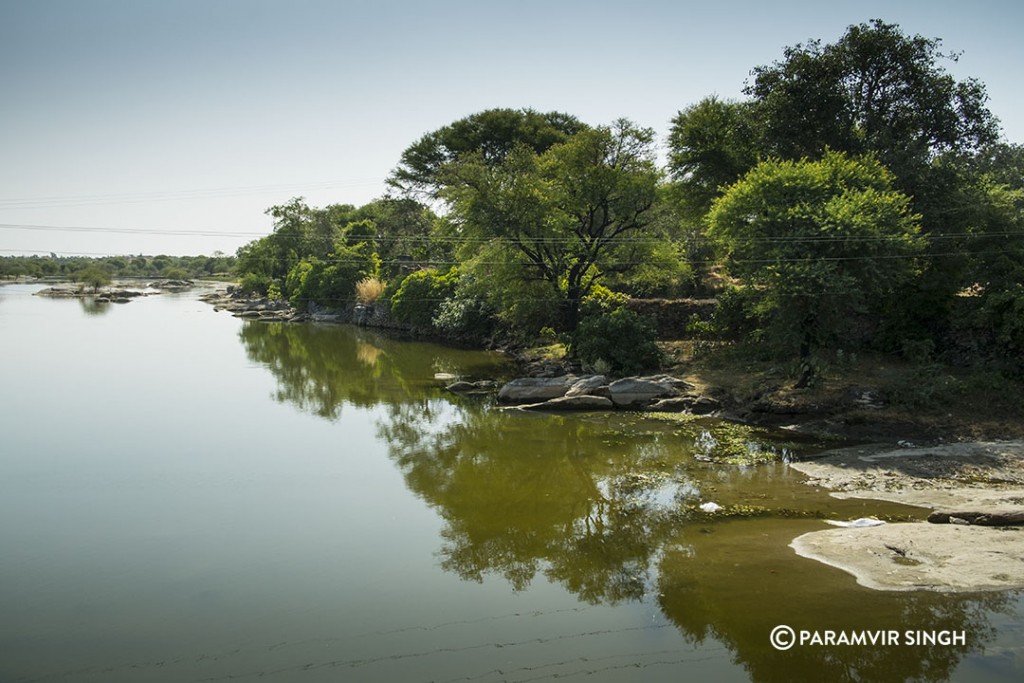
[491, 135]
[875, 90]
[820, 242]
[568, 212]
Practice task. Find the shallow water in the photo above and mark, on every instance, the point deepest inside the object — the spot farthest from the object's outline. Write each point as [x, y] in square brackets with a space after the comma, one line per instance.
[188, 497]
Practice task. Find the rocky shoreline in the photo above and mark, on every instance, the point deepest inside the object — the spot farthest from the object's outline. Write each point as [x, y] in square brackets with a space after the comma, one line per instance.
[278, 311]
[654, 393]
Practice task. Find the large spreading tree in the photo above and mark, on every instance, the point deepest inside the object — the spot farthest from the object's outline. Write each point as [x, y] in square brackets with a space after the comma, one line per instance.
[567, 214]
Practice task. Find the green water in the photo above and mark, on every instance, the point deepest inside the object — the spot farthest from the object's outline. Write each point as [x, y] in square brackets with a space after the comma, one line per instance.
[188, 497]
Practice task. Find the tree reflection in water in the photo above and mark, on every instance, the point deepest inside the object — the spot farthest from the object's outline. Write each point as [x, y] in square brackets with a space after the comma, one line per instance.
[90, 306]
[605, 507]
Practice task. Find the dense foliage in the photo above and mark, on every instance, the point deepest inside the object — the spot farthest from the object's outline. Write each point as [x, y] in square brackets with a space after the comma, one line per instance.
[823, 246]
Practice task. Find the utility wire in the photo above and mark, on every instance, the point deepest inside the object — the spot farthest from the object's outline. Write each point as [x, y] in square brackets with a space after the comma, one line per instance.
[160, 196]
[466, 239]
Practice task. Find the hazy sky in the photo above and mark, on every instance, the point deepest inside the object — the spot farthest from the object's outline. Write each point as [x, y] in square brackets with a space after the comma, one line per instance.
[136, 119]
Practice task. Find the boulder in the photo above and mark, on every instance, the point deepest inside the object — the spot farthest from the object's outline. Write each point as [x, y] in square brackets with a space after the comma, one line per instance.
[587, 385]
[634, 391]
[581, 402]
[535, 389]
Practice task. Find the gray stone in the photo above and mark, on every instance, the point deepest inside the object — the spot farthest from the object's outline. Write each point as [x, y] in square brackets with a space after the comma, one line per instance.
[587, 386]
[581, 402]
[534, 389]
[633, 391]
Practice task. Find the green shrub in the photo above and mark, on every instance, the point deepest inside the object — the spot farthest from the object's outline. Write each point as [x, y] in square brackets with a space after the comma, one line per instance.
[419, 297]
[255, 284]
[465, 317]
[601, 300]
[621, 339]
[332, 282]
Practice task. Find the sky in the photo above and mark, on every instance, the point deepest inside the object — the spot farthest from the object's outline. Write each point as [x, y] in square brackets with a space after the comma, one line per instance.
[151, 126]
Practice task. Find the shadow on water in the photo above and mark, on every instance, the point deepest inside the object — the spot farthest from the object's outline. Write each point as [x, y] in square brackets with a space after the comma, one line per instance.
[607, 506]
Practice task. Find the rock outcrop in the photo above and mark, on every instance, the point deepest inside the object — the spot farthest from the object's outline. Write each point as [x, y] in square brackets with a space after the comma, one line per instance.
[534, 389]
[596, 392]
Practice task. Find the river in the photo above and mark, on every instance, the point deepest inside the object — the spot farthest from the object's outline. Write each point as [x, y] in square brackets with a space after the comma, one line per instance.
[185, 496]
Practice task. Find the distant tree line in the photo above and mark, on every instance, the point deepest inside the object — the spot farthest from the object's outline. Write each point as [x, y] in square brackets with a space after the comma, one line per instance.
[78, 267]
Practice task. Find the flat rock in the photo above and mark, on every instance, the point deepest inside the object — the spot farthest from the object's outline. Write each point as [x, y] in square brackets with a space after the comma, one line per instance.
[587, 385]
[921, 556]
[535, 389]
[634, 391]
[582, 402]
[986, 478]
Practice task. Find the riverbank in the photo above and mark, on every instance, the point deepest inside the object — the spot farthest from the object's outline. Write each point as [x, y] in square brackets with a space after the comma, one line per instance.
[971, 543]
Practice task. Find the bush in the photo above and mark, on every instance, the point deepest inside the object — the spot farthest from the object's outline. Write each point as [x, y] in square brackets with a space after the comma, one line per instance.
[621, 340]
[601, 300]
[255, 283]
[419, 297]
[332, 282]
[466, 317]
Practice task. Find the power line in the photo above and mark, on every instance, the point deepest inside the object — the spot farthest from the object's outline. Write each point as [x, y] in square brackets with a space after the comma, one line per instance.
[421, 263]
[175, 195]
[549, 240]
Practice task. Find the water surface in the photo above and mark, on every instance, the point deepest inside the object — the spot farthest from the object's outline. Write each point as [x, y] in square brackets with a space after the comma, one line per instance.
[188, 497]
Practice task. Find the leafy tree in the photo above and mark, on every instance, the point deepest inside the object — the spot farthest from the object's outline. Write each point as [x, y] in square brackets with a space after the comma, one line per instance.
[875, 90]
[94, 276]
[818, 242]
[300, 233]
[711, 144]
[420, 295]
[568, 213]
[491, 135]
[331, 281]
[405, 234]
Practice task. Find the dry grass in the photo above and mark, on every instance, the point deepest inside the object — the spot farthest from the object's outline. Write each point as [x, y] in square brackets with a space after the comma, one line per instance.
[369, 289]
